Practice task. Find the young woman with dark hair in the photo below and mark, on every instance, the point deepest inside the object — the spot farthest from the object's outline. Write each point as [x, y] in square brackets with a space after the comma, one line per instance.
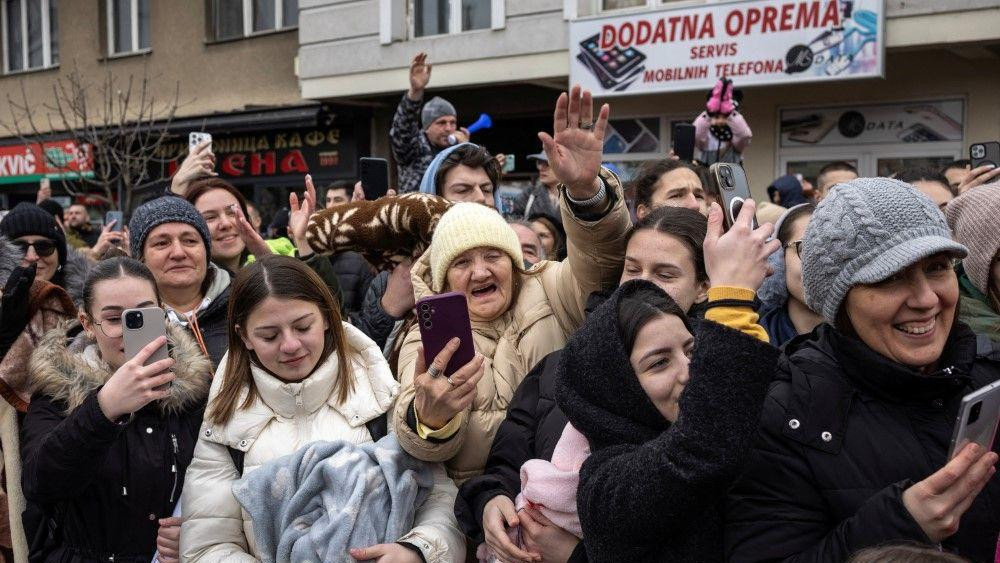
[295, 374]
[667, 183]
[107, 439]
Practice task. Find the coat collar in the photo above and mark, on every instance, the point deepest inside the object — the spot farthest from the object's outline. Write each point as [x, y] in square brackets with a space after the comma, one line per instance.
[66, 367]
[374, 392]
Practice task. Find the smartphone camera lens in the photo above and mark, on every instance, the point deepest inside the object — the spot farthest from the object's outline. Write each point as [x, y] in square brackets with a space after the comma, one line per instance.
[133, 320]
[974, 412]
[977, 151]
[727, 178]
[424, 307]
[428, 324]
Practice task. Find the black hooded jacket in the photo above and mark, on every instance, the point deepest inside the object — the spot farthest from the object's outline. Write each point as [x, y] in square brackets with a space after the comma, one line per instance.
[843, 433]
[650, 491]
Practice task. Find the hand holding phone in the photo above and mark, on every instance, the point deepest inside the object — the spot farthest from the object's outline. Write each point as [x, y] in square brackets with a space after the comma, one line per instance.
[738, 257]
[137, 382]
[683, 139]
[142, 326]
[735, 189]
[985, 154]
[196, 138]
[115, 217]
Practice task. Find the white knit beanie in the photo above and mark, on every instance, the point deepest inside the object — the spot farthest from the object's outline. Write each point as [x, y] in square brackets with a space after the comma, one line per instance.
[466, 226]
[972, 217]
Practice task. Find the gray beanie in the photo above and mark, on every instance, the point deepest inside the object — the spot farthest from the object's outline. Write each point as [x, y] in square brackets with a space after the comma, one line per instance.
[865, 231]
[166, 209]
[436, 108]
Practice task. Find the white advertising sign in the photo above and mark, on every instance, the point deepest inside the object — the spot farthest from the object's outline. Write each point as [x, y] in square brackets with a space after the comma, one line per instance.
[913, 122]
[753, 43]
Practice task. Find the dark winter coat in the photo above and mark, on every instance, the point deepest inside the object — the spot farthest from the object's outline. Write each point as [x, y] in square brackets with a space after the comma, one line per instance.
[778, 324]
[103, 485]
[843, 433]
[372, 318]
[410, 147]
[650, 490]
[355, 275]
[213, 323]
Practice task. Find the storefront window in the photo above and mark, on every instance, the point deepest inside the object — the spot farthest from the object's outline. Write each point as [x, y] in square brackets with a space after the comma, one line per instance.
[29, 34]
[128, 24]
[889, 166]
[241, 18]
[630, 136]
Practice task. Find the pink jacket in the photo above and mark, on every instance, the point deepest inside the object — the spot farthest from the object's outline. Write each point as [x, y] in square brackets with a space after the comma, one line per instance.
[739, 126]
[550, 486]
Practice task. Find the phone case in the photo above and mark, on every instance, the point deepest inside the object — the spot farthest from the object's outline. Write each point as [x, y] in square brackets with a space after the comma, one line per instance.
[154, 325]
[984, 153]
[733, 195]
[684, 141]
[980, 427]
[617, 63]
[374, 177]
[195, 138]
[441, 318]
[114, 216]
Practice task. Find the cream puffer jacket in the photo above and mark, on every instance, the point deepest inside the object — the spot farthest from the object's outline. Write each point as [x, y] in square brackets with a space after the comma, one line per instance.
[548, 308]
[287, 417]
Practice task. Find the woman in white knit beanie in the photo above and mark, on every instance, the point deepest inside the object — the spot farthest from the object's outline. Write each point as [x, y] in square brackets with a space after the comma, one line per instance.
[518, 316]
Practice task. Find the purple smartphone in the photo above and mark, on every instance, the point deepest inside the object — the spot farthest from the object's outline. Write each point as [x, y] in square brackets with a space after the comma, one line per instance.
[443, 317]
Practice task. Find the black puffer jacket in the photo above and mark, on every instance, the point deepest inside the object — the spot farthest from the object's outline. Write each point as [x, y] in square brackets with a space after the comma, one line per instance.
[355, 275]
[650, 490]
[844, 432]
[102, 485]
[372, 318]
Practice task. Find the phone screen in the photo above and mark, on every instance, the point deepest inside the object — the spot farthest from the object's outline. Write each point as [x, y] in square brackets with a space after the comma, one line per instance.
[374, 177]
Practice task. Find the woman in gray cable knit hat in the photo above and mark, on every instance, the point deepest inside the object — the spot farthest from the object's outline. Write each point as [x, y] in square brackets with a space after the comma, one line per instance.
[853, 444]
[972, 217]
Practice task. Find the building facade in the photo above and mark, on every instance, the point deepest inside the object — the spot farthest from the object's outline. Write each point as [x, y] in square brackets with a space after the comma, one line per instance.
[935, 94]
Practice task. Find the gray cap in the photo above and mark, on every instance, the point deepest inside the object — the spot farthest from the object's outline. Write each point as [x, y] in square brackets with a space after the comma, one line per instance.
[166, 209]
[436, 108]
[539, 156]
[864, 231]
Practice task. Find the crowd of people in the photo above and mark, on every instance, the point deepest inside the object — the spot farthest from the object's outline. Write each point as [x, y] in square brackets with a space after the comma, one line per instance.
[646, 384]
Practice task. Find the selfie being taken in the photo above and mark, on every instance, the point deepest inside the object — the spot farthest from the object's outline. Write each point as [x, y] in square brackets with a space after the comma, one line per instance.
[493, 281]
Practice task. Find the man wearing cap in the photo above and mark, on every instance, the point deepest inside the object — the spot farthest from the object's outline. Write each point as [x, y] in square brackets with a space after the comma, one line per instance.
[543, 198]
[417, 134]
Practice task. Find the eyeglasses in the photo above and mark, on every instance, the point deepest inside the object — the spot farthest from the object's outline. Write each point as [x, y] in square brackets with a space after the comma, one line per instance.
[797, 245]
[42, 247]
[112, 328]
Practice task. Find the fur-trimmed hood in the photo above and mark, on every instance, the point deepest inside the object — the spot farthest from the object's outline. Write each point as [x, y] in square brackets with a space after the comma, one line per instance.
[62, 368]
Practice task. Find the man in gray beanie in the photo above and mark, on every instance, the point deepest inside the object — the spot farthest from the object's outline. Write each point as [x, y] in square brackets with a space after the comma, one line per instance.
[865, 231]
[417, 134]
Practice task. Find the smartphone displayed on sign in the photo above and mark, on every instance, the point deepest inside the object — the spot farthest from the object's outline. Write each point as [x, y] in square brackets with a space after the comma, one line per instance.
[374, 177]
[982, 154]
[683, 138]
[196, 138]
[441, 318]
[142, 326]
[115, 216]
[735, 189]
[978, 416]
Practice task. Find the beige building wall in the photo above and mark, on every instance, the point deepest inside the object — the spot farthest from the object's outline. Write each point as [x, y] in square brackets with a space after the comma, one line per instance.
[213, 77]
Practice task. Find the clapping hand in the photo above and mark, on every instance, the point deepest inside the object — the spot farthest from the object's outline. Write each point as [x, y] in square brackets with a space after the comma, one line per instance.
[575, 150]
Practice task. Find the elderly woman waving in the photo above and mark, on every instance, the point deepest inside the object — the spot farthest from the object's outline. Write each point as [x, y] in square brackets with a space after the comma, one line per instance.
[518, 316]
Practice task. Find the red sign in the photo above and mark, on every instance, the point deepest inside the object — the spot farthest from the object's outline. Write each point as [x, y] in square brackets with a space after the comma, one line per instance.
[54, 159]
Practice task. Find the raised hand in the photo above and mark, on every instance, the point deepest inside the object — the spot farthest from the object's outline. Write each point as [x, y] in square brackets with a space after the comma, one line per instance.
[439, 399]
[738, 258]
[420, 75]
[249, 235]
[107, 238]
[978, 176]
[199, 163]
[298, 216]
[575, 150]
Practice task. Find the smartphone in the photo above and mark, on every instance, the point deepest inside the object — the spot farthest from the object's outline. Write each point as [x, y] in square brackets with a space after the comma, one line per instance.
[115, 216]
[142, 326]
[196, 138]
[508, 164]
[984, 153]
[374, 177]
[683, 138]
[441, 318]
[735, 189]
[978, 416]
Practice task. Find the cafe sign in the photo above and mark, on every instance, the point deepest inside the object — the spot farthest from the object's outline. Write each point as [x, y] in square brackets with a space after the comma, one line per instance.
[56, 160]
[753, 42]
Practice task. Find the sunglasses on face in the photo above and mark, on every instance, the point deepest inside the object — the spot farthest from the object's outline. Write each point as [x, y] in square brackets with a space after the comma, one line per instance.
[42, 247]
[797, 245]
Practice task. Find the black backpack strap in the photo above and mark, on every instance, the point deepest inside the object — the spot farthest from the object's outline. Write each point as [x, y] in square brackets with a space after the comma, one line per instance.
[237, 456]
[378, 427]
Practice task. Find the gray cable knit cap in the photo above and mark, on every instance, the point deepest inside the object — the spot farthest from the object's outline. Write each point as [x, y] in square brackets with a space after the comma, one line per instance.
[437, 107]
[865, 231]
[166, 209]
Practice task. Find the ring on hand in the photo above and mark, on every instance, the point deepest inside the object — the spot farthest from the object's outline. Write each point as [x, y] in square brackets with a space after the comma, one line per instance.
[433, 371]
[587, 126]
[452, 383]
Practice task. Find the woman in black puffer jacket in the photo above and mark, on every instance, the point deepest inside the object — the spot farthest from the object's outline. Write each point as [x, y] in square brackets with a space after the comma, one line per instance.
[857, 425]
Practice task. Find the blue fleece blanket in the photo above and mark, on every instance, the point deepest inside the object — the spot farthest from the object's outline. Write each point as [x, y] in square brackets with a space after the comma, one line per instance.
[328, 497]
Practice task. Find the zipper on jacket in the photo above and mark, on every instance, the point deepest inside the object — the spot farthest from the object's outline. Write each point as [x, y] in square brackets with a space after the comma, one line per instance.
[173, 466]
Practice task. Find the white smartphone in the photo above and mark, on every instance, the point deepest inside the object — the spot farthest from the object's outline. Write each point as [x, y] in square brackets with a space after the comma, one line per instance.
[142, 326]
[978, 416]
[196, 138]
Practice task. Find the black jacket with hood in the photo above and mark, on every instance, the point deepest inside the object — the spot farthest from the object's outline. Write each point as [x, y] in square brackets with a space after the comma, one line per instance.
[103, 485]
[844, 432]
[651, 490]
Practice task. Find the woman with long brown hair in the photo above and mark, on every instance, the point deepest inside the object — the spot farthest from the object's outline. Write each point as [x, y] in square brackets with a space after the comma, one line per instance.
[295, 373]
